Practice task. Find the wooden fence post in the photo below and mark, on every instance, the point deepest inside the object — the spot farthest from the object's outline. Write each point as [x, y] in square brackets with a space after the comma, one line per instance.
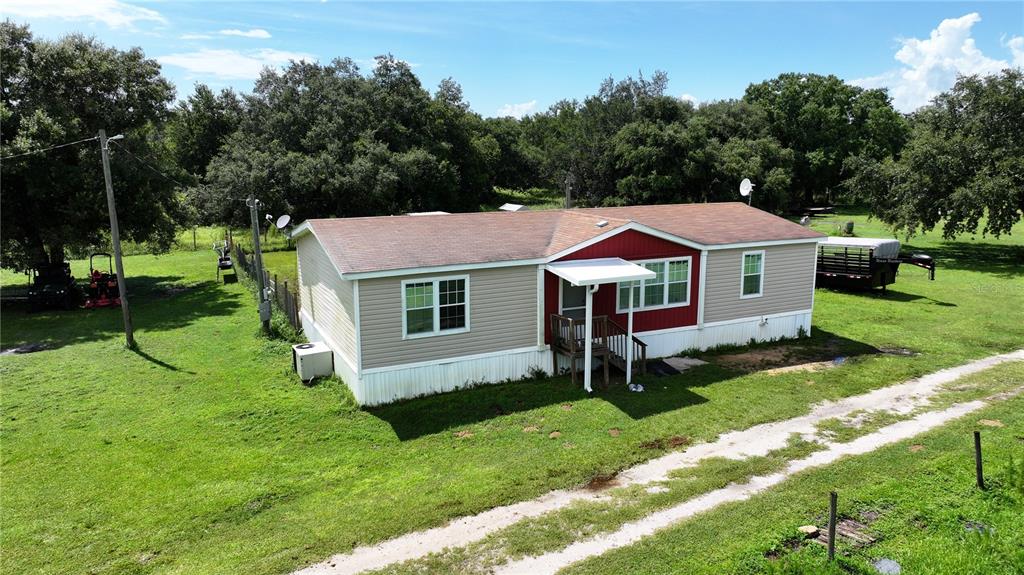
[977, 460]
[833, 500]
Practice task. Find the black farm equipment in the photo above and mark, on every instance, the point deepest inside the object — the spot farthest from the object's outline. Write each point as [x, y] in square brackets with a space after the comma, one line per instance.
[53, 286]
[103, 290]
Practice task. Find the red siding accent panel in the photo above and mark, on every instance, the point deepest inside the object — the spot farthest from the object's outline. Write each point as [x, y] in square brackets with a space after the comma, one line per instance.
[630, 245]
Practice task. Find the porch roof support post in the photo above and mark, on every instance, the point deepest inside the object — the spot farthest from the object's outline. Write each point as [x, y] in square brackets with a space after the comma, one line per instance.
[588, 343]
[629, 339]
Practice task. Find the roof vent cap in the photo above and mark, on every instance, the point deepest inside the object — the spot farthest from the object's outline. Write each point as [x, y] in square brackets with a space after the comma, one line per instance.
[601, 224]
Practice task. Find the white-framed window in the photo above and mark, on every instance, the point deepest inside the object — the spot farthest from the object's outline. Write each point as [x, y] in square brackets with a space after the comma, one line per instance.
[752, 274]
[572, 300]
[670, 286]
[435, 306]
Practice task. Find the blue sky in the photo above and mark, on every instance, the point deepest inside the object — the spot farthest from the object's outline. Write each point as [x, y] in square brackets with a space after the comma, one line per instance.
[521, 58]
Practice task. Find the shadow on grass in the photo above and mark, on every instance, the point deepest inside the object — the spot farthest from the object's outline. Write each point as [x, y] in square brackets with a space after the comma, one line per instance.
[428, 415]
[415, 418]
[158, 303]
[825, 344]
[888, 295]
[1006, 261]
[138, 351]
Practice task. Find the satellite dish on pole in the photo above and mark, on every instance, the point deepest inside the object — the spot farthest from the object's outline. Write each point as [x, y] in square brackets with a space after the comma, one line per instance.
[746, 187]
[283, 221]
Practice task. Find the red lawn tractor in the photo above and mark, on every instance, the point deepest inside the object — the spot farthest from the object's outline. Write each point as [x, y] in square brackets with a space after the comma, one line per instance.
[102, 290]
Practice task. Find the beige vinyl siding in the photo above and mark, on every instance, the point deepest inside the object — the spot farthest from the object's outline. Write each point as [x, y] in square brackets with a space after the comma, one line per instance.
[788, 282]
[326, 297]
[502, 316]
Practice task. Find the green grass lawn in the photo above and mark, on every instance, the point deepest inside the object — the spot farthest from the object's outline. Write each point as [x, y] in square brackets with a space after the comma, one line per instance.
[533, 198]
[202, 453]
[920, 502]
[284, 265]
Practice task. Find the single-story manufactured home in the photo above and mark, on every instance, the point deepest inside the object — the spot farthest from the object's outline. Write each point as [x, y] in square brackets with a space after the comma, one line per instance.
[415, 305]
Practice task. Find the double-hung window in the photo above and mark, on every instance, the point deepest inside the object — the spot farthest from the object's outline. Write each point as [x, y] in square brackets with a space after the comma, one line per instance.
[435, 306]
[670, 286]
[752, 274]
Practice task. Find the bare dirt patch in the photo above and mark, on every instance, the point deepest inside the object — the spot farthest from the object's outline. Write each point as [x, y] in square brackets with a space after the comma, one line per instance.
[602, 482]
[666, 442]
[164, 291]
[854, 532]
[531, 429]
[784, 359]
[811, 366]
[787, 358]
[615, 432]
[464, 434]
[756, 359]
[25, 348]
[898, 351]
[991, 422]
[555, 434]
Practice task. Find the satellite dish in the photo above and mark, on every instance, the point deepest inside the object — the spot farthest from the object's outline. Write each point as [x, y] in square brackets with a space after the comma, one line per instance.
[746, 187]
[283, 221]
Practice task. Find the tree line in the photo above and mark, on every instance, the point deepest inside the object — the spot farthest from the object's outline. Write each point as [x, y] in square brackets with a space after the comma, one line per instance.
[331, 139]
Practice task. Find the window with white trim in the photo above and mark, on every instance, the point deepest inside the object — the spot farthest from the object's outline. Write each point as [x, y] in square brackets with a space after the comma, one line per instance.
[435, 306]
[752, 274]
[573, 300]
[670, 286]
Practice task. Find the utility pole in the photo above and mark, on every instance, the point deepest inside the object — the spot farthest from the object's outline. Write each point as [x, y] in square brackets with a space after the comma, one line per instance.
[264, 303]
[115, 238]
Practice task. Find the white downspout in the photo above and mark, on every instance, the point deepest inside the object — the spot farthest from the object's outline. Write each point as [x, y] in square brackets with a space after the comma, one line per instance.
[588, 344]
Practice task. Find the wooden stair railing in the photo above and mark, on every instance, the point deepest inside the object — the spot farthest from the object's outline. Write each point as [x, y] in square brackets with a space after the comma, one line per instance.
[609, 338]
[617, 340]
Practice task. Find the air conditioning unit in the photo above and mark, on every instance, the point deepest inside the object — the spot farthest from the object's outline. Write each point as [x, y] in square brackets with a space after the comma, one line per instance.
[312, 360]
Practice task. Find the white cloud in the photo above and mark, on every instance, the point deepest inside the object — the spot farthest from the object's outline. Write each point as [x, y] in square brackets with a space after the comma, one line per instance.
[517, 110]
[113, 13]
[931, 65]
[253, 33]
[689, 98]
[195, 37]
[232, 64]
[1016, 46]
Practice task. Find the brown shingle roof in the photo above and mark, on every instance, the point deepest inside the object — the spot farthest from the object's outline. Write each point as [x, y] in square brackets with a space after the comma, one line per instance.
[711, 224]
[400, 242]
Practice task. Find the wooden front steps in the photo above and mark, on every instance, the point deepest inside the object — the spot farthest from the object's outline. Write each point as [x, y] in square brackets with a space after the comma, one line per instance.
[610, 341]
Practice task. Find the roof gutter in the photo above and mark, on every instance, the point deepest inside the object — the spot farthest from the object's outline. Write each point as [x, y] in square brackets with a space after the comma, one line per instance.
[302, 229]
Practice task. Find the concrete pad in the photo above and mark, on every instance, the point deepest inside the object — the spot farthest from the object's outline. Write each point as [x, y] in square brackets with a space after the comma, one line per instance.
[683, 363]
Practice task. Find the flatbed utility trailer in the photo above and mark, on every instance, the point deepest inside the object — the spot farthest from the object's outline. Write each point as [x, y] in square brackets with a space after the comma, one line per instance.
[865, 263]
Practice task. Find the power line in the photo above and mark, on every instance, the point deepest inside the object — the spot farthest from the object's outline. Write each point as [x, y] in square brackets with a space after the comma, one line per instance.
[48, 149]
[148, 165]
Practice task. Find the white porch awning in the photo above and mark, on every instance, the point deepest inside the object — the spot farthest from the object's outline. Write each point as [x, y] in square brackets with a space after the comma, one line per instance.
[599, 271]
[591, 274]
